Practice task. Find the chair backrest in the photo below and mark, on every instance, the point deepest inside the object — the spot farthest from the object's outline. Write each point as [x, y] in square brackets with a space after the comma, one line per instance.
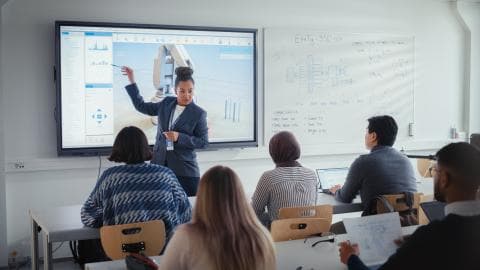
[317, 211]
[398, 201]
[407, 207]
[120, 240]
[297, 228]
[425, 167]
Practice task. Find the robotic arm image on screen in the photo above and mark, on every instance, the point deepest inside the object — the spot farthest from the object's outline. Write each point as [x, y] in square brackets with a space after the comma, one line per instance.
[170, 56]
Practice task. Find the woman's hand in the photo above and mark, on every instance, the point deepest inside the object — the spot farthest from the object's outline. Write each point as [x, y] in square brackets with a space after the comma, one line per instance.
[346, 250]
[127, 71]
[171, 135]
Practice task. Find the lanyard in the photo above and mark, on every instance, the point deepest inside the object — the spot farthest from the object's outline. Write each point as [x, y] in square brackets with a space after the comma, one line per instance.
[172, 123]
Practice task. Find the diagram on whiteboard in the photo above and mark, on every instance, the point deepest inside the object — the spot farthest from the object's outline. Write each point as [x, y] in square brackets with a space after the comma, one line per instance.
[324, 86]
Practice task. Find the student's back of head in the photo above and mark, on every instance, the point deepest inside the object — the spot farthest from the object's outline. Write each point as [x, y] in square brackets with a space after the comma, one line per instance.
[385, 127]
[130, 146]
[284, 149]
[457, 173]
[228, 225]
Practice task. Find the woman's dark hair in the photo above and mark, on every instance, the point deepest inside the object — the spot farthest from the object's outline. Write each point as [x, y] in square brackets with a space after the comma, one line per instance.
[284, 149]
[385, 127]
[183, 74]
[130, 146]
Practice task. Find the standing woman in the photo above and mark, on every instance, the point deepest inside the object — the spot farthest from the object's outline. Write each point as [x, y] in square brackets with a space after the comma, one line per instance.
[182, 127]
[224, 232]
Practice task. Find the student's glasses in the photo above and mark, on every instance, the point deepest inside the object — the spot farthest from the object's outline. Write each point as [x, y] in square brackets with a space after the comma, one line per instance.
[325, 237]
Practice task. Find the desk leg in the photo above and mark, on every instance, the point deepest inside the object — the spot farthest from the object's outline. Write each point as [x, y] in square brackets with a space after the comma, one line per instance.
[47, 253]
[34, 246]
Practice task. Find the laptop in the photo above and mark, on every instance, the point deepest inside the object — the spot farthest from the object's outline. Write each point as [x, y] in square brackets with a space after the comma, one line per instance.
[327, 178]
[433, 210]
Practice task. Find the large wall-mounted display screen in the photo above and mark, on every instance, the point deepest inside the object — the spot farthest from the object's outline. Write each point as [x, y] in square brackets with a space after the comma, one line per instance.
[93, 106]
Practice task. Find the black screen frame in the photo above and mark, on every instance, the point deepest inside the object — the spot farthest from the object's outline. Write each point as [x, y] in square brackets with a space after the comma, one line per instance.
[94, 151]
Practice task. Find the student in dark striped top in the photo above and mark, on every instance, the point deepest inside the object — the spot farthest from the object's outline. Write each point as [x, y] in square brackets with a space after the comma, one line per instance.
[136, 191]
[288, 185]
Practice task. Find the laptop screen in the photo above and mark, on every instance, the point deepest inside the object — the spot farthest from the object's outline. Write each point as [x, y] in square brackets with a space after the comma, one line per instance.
[331, 177]
[433, 210]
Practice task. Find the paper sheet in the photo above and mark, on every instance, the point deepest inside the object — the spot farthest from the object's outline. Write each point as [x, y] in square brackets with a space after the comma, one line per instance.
[375, 236]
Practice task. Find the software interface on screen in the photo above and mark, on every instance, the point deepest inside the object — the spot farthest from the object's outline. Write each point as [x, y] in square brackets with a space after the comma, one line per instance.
[95, 105]
[331, 177]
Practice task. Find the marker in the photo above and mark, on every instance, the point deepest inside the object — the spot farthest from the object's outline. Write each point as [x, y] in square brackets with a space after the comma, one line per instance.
[113, 65]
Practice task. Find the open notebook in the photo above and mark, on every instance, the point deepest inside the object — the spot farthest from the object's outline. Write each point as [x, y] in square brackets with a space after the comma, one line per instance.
[375, 236]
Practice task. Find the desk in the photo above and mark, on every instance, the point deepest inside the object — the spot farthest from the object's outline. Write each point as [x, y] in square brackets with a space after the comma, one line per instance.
[114, 265]
[58, 224]
[295, 253]
[424, 185]
[322, 198]
[61, 224]
[290, 255]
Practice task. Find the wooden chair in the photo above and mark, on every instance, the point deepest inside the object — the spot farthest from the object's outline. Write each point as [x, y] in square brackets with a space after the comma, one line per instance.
[318, 211]
[398, 202]
[120, 240]
[297, 228]
[425, 167]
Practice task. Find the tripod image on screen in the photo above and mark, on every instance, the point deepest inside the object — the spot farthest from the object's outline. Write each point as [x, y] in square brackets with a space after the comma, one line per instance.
[170, 56]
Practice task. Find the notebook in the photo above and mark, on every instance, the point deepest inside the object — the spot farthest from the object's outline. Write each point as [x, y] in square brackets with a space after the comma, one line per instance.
[375, 236]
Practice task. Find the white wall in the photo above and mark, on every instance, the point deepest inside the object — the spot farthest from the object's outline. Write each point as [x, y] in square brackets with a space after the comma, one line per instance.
[27, 40]
[469, 12]
[3, 213]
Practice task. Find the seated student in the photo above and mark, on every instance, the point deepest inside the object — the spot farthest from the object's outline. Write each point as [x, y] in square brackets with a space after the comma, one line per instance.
[451, 243]
[224, 232]
[383, 171]
[288, 185]
[136, 191]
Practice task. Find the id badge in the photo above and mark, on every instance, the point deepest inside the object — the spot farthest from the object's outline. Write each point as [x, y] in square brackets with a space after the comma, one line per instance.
[169, 144]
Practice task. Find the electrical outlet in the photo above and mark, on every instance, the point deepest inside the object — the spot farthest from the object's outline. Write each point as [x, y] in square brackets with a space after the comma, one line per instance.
[19, 165]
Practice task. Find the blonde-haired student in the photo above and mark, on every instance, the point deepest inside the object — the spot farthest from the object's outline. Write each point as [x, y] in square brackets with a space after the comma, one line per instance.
[224, 232]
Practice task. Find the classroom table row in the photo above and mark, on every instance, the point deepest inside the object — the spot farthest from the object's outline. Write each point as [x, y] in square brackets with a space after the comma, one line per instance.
[293, 254]
[61, 224]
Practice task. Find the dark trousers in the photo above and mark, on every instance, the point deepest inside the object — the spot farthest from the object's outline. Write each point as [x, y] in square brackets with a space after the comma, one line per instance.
[189, 184]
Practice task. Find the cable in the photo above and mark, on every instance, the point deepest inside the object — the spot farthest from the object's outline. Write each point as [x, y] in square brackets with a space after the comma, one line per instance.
[73, 249]
[57, 248]
[431, 157]
[99, 165]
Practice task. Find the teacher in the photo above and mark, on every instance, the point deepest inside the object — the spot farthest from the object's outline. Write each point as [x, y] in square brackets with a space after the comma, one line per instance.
[182, 127]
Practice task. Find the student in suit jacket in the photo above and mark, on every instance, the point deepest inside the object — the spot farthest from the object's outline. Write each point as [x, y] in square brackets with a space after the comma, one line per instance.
[451, 243]
[181, 124]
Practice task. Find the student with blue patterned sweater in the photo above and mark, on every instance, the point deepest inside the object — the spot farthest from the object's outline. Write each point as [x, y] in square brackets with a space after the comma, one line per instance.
[136, 191]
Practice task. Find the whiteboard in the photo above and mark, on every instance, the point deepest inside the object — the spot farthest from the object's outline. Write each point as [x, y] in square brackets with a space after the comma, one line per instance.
[324, 86]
